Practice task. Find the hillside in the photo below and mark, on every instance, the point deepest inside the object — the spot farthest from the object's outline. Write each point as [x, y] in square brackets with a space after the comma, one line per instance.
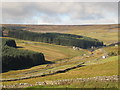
[101, 32]
[68, 67]
[94, 65]
[55, 38]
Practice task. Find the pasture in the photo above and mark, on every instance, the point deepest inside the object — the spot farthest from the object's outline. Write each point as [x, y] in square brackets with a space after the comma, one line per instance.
[64, 57]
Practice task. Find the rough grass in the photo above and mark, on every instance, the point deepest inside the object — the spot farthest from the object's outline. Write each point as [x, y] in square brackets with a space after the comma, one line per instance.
[52, 52]
[56, 53]
[90, 84]
[103, 69]
[106, 33]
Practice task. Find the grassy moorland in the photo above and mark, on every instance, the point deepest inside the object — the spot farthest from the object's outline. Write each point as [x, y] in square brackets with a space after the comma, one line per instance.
[101, 32]
[52, 52]
[100, 67]
[106, 33]
[108, 68]
[55, 53]
[63, 57]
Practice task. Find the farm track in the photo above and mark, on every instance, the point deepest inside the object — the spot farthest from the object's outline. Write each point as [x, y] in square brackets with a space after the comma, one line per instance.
[35, 76]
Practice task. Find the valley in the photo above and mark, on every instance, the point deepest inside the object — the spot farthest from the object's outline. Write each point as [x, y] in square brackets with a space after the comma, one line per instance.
[66, 64]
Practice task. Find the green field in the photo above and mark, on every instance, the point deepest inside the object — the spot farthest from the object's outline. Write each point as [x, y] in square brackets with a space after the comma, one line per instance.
[63, 57]
[54, 53]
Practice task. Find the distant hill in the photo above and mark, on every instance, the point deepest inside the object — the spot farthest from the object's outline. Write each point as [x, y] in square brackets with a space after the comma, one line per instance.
[101, 32]
[57, 28]
[55, 38]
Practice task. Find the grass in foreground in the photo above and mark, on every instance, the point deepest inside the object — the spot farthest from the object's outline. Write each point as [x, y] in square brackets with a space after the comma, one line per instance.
[90, 84]
[104, 69]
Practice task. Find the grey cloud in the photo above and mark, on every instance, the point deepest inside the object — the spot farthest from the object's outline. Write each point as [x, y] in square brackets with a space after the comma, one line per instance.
[54, 12]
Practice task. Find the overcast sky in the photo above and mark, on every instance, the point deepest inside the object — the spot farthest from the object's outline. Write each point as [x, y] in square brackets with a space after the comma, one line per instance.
[77, 13]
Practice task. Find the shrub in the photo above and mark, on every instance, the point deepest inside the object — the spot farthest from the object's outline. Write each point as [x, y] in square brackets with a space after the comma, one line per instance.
[8, 42]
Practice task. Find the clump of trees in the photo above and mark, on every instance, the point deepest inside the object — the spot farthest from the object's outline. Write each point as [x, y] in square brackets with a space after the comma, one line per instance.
[13, 58]
[8, 42]
[56, 38]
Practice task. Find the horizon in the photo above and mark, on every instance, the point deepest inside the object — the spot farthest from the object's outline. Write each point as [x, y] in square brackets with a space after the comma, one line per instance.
[62, 24]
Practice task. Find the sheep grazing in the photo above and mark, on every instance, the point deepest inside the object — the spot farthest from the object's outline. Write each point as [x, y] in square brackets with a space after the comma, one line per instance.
[116, 45]
[76, 48]
[103, 57]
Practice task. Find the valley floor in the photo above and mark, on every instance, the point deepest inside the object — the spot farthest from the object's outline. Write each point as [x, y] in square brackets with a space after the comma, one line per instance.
[95, 72]
[97, 69]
